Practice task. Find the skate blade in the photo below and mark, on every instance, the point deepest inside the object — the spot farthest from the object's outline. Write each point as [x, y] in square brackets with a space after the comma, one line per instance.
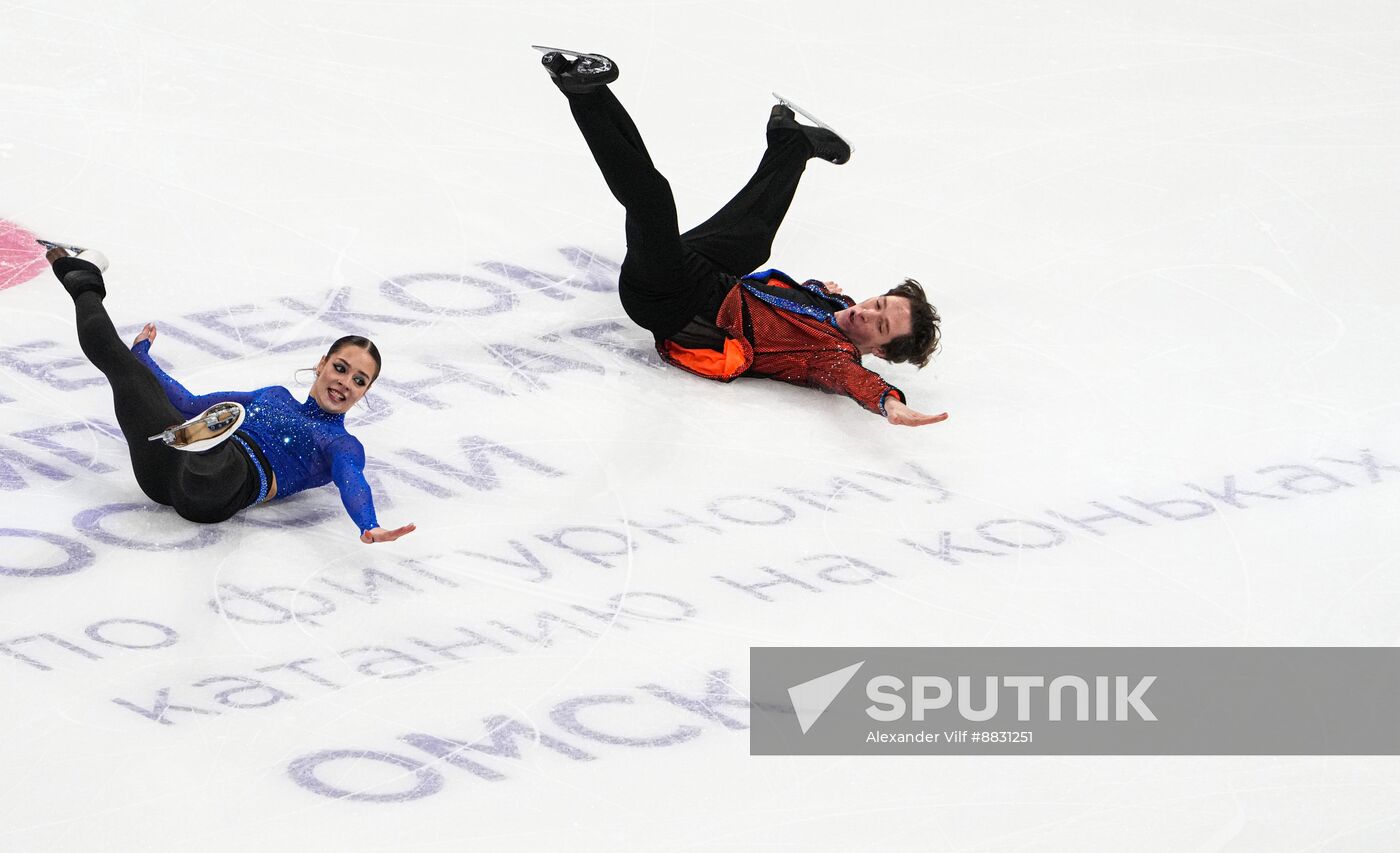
[574, 53]
[49, 244]
[206, 431]
[814, 120]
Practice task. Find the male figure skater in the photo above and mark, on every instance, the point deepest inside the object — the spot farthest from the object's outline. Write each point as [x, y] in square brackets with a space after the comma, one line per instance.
[695, 292]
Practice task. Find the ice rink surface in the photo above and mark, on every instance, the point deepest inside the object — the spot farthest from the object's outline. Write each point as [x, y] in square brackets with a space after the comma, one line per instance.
[1163, 238]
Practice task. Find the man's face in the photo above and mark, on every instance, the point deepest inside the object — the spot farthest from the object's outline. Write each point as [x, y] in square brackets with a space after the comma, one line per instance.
[875, 322]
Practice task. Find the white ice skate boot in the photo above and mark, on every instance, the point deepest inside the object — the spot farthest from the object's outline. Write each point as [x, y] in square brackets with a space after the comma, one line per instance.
[205, 431]
[92, 256]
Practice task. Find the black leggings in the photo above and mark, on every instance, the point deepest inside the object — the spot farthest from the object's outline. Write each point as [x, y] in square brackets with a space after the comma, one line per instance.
[667, 277]
[205, 487]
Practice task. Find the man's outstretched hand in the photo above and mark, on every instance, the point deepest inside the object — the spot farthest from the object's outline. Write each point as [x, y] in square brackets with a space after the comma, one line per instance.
[901, 415]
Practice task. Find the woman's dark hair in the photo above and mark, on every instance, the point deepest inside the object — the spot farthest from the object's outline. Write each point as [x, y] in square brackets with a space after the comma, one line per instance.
[919, 345]
[364, 344]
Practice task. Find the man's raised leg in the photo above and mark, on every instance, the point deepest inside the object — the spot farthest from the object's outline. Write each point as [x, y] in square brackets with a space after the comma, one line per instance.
[652, 284]
[739, 237]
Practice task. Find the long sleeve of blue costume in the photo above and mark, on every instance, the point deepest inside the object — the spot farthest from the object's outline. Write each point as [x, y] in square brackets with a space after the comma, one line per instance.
[348, 472]
[180, 397]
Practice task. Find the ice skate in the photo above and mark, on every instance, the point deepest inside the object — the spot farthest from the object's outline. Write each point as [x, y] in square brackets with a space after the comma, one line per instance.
[827, 144]
[78, 269]
[583, 73]
[204, 431]
[58, 251]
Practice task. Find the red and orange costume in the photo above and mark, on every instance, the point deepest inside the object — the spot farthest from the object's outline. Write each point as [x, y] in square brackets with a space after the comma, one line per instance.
[773, 327]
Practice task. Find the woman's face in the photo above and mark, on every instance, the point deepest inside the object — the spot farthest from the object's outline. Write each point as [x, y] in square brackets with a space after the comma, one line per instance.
[342, 378]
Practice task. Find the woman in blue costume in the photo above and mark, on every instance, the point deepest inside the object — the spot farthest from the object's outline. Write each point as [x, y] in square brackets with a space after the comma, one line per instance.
[250, 446]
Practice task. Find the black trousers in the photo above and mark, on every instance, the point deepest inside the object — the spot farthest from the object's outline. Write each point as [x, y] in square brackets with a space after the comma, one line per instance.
[205, 487]
[667, 277]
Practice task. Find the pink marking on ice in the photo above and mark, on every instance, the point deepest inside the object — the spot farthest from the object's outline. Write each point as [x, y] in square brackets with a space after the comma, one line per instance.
[21, 259]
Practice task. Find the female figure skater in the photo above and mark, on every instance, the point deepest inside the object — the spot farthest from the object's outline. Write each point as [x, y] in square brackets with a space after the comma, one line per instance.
[239, 448]
[695, 291]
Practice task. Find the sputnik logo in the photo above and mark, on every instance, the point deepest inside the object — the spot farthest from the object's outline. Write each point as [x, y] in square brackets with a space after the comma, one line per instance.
[810, 699]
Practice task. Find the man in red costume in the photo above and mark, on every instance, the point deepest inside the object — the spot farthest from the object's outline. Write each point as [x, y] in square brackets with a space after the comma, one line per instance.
[694, 291]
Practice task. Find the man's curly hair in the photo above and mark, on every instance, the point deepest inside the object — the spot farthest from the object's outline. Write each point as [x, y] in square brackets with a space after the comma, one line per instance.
[919, 345]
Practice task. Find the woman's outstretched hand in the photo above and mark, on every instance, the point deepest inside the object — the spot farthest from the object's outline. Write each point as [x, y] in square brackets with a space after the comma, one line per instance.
[379, 534]
[148, 333]
[901, 415]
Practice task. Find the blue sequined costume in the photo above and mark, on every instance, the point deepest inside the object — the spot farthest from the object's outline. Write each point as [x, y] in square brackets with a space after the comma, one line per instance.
[305, 445]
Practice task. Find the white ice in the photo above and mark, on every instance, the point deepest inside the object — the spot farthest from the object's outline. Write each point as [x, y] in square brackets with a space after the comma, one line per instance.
[1163, 238]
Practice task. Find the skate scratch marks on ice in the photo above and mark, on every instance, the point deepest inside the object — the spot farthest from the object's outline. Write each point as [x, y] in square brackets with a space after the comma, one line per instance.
[21, 259]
